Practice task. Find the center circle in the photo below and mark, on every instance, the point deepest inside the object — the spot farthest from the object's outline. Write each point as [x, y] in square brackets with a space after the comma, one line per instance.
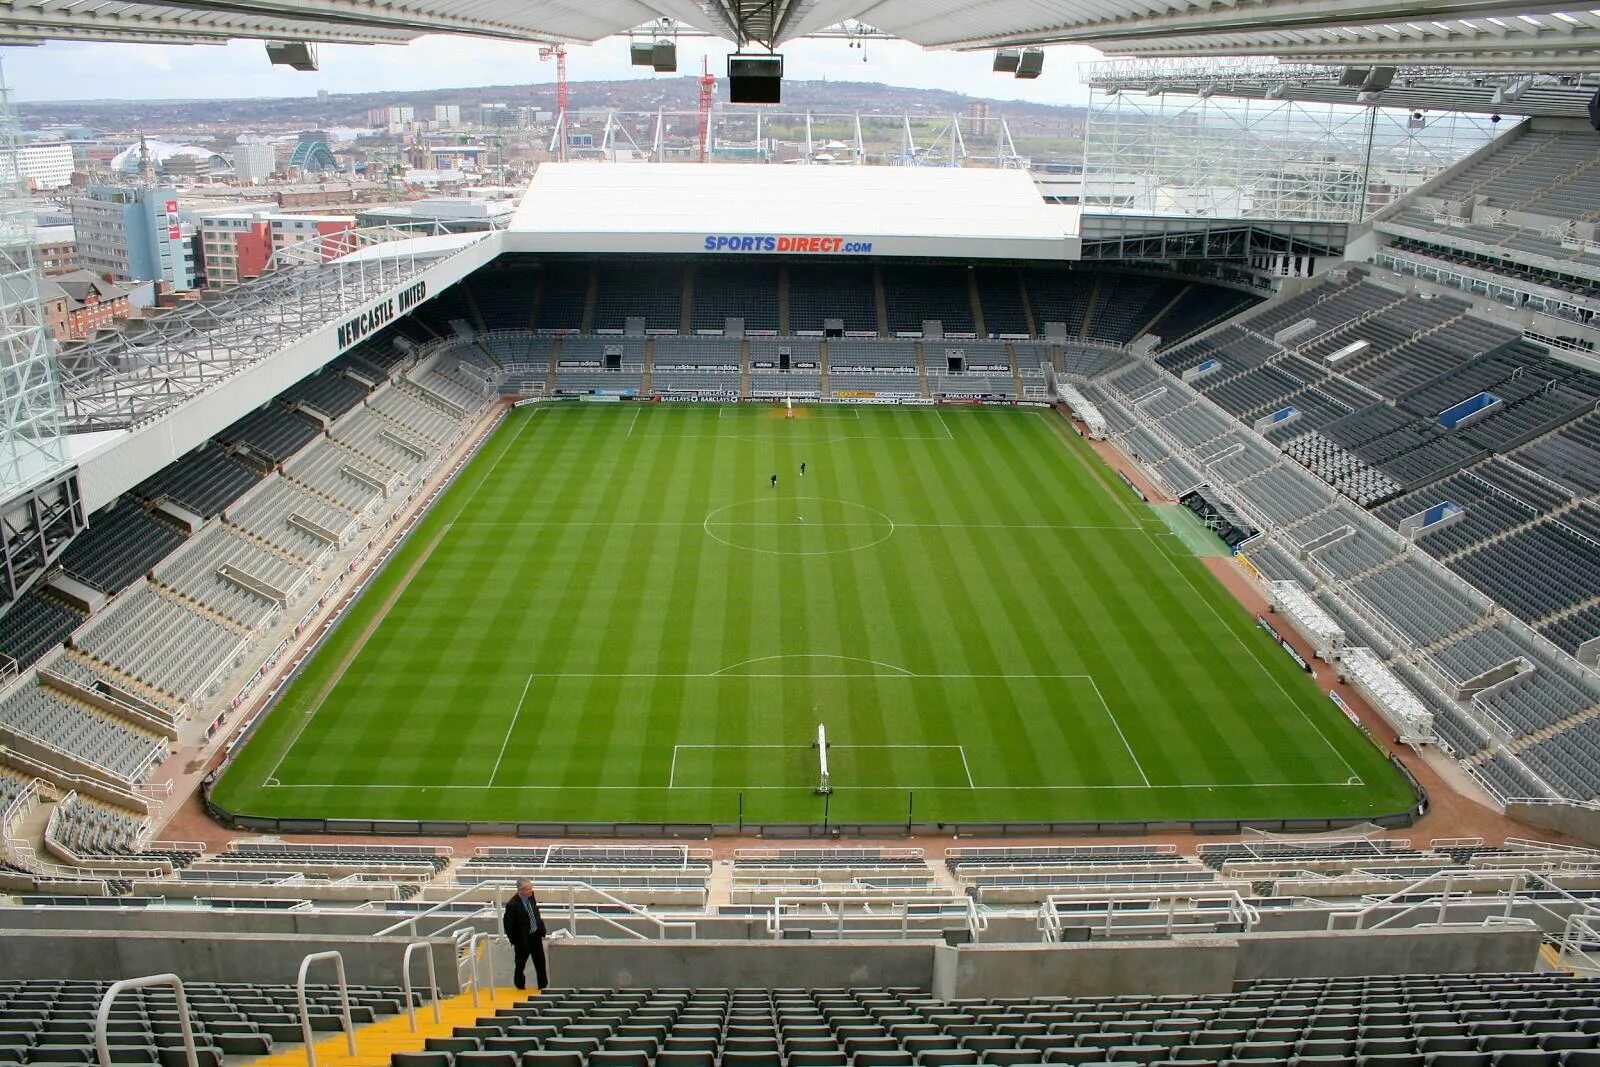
[798, 526]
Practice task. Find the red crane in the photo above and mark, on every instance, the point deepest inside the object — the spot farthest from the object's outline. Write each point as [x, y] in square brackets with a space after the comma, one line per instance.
[558, 52]
[708, 95]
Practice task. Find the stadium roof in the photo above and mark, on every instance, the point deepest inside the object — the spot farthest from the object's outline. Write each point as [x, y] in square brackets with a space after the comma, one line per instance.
[1485, 34]
[829, 212]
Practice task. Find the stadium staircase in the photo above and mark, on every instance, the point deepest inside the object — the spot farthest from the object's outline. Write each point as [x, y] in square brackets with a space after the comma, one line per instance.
[1016, 375]
[1088, 310]
[922, 371]
[649, 368]
[822, 370]
[376, 1041]
[744, 371]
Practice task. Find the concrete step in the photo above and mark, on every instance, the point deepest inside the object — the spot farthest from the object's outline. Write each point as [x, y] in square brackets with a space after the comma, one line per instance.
[375, 1041]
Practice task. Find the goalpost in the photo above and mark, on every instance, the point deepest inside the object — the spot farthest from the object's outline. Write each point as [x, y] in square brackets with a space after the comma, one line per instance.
[824, 787]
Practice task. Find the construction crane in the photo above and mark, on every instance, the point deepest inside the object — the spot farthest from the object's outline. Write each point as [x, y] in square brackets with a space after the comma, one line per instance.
[558, 52]
[708, 95]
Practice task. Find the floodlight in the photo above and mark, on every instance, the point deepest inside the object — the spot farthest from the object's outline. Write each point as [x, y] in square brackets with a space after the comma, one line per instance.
[301, 55]
[755, 79]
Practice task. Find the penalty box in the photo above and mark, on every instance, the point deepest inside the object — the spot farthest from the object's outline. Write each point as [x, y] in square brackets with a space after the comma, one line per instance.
[752, 726]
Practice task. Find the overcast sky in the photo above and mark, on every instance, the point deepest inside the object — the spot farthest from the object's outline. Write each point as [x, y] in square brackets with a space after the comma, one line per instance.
[68, 71]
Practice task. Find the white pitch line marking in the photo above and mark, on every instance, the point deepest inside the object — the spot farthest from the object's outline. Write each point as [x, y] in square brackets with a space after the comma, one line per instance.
[860, 788]
[634, 420]
[1117, 726]
[510, 730]
[965, 766]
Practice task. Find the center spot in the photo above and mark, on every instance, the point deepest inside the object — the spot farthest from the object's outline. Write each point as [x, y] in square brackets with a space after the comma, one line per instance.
[782, 525]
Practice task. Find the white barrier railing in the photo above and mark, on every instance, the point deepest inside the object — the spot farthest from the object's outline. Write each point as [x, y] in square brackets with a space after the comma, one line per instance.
[102, 1016]
[305, 1010]
[405, 982]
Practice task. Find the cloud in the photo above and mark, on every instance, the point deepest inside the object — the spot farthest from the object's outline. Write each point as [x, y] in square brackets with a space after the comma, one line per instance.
[75, 71]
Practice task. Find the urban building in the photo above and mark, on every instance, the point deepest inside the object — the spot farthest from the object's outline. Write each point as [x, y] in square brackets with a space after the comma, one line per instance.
[447, 114]
[80, 302]
[452, 214]
[42, 166]
[130, 233]
[393, 119]
[238, 245]
[57, 249]
[190, 162]
[254, 162]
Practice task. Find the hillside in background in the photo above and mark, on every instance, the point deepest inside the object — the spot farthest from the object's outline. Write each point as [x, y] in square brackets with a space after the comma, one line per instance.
[644, 94]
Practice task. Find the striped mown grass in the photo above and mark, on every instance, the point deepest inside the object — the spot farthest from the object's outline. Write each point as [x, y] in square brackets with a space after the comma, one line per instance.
[612, 616]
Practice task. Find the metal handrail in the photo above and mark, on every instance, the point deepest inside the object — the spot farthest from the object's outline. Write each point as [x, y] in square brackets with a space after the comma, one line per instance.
[1516, 880]
[305, 1012]
[405, 982]
[487, 940]
[102, 1017]
[663, 927]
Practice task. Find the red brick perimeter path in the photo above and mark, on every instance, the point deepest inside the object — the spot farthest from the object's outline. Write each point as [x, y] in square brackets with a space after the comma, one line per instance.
[1450, 814]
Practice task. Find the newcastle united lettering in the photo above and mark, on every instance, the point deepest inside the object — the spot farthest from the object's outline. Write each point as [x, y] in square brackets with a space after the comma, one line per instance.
[380, 315]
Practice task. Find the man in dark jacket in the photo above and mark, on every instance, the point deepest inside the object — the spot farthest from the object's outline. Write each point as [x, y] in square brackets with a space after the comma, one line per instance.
[525, 929]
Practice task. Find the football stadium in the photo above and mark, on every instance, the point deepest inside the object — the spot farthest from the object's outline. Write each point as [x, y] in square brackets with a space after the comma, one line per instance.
[935, 605]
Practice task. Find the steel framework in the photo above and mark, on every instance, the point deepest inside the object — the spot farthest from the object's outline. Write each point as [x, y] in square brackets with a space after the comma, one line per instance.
[123, 380]
[31, 440]
[1208, 156]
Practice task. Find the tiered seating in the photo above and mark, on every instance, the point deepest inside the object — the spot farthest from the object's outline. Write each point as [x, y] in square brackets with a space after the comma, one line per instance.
[1571, 455]
[1085, 360]
[1000, 295]
[205, 481]
[1538, 571]
[271, 431]
[865, 365]
[1281, 496]
[448, 383]
[417, 414]
[331, 394]
[80, 731]
[434, 857]
[52, 1021]
[832, 292]
[160, 641]
[1058, 296]
[1420, 603]
[1549, 694]
[323, 468]
[1256, 392]
[1198, 309]
[631, 289]
[34, 624]
[913, 294]
[1125, 304]
[505, 296]
[561, 298]
[122, 542]
[192, 571]
[748, 292]
[696, 365]
[1530, 1020]
[371, 435]
[266, 513]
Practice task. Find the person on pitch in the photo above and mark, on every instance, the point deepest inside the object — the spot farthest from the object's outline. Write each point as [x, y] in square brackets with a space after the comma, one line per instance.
[774, 481]
[802, 468]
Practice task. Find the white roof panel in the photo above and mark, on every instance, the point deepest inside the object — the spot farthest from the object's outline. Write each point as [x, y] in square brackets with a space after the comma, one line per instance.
[835, 211]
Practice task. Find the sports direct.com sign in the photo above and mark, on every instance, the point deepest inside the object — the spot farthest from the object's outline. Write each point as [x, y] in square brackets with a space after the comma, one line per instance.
[797, 244]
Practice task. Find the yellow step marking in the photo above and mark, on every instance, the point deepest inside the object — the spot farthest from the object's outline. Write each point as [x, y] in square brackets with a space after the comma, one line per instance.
[374, 1041]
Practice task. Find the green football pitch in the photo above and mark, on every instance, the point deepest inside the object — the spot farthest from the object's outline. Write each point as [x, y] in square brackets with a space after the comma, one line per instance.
[612, 616]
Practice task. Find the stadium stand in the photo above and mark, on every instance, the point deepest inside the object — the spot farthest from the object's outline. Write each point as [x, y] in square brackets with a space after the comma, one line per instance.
[205, 481]
[121, 543]
[745, 292]
[915, 294]
[817, 294]
[650, 291]
[35, 624]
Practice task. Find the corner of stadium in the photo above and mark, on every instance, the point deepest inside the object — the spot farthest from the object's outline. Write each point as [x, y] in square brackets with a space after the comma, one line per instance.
[892, 615]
